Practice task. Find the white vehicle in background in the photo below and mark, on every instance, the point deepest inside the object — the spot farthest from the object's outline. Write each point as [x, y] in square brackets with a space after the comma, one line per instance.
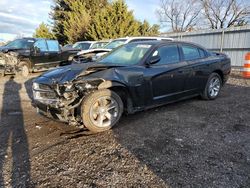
[121, 41]
[86, 45]
[93, 54]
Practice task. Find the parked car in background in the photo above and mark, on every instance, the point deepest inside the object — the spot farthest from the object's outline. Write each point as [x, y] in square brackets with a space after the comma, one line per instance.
[86, 45]
[67, 46]
[31, 54]
[83, 45]
[87, 55]
[99, 44]
[131, 78]
[121, 41]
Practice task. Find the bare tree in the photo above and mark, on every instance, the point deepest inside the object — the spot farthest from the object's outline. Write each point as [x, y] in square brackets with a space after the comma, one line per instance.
[181, 15]
[225, 13]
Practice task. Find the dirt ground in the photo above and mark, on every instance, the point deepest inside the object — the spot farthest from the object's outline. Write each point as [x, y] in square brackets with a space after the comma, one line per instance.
[193, 143]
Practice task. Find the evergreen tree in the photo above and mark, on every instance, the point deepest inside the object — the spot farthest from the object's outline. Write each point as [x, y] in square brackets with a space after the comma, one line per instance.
[113, 22]
[77, 22]
[117, 21]
[58, 15]
[63, 10]
[147, 30]
[43, 31]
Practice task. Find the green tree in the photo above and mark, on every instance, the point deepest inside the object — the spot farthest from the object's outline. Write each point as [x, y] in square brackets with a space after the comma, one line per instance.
[63, 10]
[114, 21]
[77, 22]
[117, 21]
[58, 15]
[146, 30]
[43, 31]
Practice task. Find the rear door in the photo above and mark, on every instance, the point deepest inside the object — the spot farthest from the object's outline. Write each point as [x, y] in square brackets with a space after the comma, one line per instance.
[197, 63]
[54, 52]
[167, 77]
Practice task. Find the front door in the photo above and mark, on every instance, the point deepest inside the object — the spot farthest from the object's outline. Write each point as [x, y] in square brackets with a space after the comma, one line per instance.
[167, 77]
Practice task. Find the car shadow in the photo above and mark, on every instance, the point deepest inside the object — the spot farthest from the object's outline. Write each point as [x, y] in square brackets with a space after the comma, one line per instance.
[193, 143]
[14, 150]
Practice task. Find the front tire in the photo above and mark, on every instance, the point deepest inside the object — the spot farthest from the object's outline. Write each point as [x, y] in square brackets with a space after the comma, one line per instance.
[24, 69]
[101, 110]
[213, 87]
[2, 73]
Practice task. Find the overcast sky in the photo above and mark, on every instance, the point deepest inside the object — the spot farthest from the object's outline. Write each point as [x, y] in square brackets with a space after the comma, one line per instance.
[21, 17]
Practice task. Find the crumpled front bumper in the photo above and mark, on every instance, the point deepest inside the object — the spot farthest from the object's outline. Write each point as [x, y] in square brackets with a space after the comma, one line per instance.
[46, 110]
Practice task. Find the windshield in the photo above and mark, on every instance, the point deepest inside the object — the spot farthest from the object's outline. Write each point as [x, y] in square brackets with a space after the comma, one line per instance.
[21, 44]
[98, 45]
[116, 43]
[129, 54]
[82, 46]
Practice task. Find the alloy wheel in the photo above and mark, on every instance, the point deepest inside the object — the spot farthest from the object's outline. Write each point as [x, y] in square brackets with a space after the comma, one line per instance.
[104, 111]
[214, 87]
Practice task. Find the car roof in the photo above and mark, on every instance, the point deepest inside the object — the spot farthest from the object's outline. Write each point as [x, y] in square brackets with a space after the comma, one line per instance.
[159, 42]
[90, 42]
[132, 38]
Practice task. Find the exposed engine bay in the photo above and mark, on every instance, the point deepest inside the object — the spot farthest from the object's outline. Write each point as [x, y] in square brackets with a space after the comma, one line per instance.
[63, 101]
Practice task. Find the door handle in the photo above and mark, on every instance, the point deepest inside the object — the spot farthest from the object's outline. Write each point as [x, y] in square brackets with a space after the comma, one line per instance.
[46, 53]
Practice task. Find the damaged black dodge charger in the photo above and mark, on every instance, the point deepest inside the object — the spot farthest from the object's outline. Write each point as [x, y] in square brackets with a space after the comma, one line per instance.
[131, 78]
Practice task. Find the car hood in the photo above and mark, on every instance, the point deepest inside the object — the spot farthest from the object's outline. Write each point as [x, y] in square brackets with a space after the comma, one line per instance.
[69, 73]
[19, 50]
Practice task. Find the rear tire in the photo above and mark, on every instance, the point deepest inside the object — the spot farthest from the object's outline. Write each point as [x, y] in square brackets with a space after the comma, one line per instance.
[101, 110]
[213, 87]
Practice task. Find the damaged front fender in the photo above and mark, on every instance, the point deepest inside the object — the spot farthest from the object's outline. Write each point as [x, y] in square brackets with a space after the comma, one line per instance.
[9, 62]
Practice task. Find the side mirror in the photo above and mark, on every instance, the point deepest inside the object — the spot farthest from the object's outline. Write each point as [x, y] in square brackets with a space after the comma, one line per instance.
[154, 60]
[37, 50]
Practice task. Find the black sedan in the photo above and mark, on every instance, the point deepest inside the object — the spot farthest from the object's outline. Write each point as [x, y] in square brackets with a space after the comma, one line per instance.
[132, 78]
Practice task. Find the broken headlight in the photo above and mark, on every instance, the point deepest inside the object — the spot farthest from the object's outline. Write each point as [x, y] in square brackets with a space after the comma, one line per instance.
[44, 94]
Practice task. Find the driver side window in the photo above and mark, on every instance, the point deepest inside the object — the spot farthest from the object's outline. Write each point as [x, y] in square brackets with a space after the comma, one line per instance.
[41, 44]
[168, 54]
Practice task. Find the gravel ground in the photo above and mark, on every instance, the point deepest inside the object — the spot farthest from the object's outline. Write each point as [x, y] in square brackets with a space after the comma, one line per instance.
[193, 143]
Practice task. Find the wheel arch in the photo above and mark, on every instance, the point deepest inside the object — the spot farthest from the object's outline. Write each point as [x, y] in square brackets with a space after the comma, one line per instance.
[122, 91]
[220, 73]
[26, 60]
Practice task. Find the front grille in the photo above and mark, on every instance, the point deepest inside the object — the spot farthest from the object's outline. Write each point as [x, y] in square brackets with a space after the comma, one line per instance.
[45, 95]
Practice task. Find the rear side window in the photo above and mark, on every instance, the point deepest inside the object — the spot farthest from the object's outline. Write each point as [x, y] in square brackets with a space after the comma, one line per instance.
[41, 44]
[53, 45]
[190, 53]
[169, 54]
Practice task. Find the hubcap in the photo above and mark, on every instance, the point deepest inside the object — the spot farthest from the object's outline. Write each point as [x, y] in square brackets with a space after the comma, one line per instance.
[104, 111]
[214, 87]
